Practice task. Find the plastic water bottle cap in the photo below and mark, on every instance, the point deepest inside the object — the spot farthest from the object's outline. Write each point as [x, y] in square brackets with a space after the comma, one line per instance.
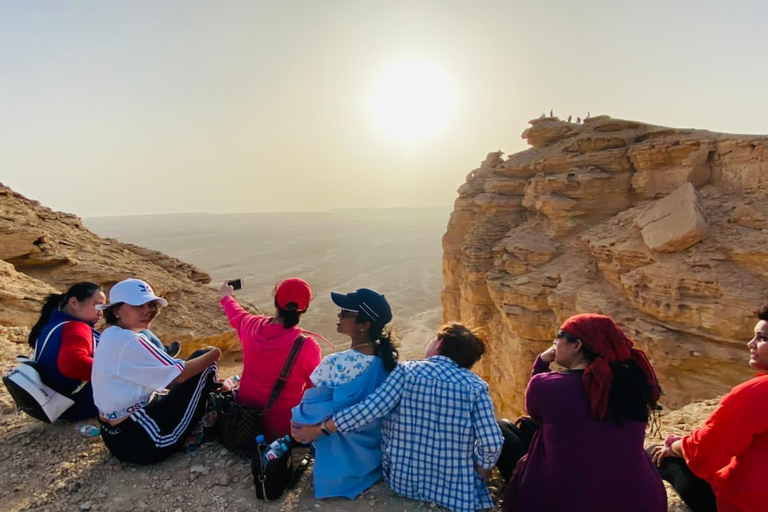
[260, 439]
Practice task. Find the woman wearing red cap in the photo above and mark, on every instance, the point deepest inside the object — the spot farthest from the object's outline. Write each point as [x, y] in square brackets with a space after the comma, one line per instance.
[588, 453]
[723, 465]
[266, 342]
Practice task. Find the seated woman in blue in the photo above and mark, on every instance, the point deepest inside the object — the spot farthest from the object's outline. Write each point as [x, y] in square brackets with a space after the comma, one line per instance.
[346, 464]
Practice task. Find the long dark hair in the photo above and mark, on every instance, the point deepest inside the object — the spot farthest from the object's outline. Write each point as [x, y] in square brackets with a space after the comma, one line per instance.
[385, 339]
[290, 317]
[631, 395]
[81, 291]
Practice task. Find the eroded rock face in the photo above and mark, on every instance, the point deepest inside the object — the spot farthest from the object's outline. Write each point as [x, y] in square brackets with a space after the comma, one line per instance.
[665, 230]
[43, 252]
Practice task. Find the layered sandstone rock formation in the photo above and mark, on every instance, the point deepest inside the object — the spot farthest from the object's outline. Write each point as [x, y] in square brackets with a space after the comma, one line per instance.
[43, 251]
[665, 230]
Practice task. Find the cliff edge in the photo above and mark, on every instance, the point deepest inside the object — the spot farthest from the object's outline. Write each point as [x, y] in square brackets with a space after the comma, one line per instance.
[43, 251]
[663, 229]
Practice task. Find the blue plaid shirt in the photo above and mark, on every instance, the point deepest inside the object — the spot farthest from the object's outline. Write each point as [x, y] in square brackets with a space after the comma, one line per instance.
[439, 427]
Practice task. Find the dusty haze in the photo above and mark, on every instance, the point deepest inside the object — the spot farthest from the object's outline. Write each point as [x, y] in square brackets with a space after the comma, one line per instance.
[395, 251]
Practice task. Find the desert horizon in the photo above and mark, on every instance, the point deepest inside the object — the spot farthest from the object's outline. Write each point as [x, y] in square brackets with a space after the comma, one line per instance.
[396, 251]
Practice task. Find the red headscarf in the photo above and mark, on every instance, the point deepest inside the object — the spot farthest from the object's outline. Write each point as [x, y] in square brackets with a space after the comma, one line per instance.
[600, 334]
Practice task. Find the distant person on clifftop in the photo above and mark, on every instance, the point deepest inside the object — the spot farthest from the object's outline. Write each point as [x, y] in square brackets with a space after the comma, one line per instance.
[149, 403]
[64, 338]
[266, 343]
[587, 454]
[346, 464]
[723, 465]
[440, 439]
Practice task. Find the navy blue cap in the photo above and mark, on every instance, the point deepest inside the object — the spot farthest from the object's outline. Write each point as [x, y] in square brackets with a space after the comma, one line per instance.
[366, 301]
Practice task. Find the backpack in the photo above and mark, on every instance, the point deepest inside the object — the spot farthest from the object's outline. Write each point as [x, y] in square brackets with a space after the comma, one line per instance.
[33, 392]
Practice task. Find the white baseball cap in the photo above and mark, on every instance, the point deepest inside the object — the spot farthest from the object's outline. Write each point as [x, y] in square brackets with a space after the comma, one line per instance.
[134, 292]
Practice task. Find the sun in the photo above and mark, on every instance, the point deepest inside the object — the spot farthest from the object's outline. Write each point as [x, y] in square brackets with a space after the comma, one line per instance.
[412, 100]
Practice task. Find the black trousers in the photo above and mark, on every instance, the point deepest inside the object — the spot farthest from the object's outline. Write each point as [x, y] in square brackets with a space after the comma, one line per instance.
[695, 492]
[516, 444]
[160, 429]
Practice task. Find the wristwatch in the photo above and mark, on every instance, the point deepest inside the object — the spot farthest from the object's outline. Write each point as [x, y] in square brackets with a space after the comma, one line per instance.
[324, 429]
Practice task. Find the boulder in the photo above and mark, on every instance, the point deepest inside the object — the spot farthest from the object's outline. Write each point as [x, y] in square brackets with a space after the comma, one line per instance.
[674, 223]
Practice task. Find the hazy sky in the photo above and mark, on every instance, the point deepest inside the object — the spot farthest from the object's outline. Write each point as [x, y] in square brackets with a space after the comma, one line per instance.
[161, 106]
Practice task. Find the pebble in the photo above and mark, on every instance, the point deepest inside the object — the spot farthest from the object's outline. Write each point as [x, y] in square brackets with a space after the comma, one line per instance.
[85, 506]
[224, 479]
[199, 468]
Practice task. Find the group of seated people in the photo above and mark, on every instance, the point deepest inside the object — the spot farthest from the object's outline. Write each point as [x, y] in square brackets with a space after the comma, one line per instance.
[427, 426]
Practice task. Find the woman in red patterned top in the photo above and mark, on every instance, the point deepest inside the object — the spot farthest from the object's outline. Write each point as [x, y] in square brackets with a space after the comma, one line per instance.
[723, 465]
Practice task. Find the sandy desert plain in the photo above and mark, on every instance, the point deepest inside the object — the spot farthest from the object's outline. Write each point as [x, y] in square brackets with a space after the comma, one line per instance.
[396, 251]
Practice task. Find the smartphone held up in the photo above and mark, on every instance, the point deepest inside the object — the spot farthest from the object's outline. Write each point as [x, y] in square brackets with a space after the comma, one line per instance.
[236, 284]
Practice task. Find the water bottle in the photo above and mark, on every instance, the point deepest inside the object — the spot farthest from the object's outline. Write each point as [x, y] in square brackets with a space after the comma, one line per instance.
[278, 447]
[275, 445]
[231, 383]
[86, 430]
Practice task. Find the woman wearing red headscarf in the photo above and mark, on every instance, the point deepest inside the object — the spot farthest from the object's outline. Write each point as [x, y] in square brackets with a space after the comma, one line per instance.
[588, 453]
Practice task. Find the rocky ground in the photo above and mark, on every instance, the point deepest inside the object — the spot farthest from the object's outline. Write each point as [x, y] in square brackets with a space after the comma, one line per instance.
[53, 468]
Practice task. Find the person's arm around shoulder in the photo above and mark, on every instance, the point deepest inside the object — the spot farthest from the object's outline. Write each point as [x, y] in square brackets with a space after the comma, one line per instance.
[487, 433]
[75, 358]
[378, 403]
[197, 365]
[730, 430]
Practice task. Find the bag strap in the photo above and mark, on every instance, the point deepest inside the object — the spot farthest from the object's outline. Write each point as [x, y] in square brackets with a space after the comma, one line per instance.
[82, 384]
[45, 342]
[283, 378]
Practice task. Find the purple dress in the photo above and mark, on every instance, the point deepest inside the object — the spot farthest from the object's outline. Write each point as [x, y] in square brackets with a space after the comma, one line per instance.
[576, 463]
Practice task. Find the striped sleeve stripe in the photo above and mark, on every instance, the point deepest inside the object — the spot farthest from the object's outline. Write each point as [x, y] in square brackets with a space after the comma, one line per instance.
[161, 356]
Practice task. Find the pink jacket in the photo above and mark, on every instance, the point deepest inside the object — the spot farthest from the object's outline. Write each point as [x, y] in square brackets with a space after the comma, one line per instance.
[265, 348]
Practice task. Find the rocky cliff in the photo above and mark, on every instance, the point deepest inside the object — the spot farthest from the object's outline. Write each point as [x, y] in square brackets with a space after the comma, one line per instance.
[665, 230]
[43, 251]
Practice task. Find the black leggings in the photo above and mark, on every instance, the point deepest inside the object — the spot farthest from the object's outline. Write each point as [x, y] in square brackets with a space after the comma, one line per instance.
[160, 428]
[695, 492]
[515, 446]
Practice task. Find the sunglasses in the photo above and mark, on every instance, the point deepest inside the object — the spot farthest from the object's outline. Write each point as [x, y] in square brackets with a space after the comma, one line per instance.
[346, 313]
[567, 337]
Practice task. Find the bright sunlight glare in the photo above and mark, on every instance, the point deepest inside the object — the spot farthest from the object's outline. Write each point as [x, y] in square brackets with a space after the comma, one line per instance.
[412, 100]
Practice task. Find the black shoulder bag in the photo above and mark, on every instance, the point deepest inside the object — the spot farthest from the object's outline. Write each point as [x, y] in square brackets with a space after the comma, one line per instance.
[238, 425]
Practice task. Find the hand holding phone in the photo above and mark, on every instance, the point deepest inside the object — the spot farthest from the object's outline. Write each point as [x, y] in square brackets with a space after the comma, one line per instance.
[236, 284]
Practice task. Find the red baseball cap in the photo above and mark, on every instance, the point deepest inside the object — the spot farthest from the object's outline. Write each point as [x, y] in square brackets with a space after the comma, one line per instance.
[293, 294]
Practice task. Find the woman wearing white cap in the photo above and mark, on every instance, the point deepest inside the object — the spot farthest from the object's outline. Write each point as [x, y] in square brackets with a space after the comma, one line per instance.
[142, 423]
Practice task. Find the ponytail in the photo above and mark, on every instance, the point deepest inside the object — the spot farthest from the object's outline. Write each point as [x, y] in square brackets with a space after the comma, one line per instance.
[52, 303]
[290, 317]
[386, 346]
[80, 291]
